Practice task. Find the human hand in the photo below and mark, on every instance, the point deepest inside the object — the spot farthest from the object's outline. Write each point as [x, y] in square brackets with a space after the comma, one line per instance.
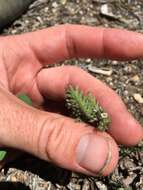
[52, 136]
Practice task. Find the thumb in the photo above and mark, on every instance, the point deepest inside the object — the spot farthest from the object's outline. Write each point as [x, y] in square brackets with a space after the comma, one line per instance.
[55, 138]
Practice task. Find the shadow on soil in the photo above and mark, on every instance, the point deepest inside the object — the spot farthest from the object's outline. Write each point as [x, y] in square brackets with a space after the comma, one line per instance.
[13, 186]
[43, 169]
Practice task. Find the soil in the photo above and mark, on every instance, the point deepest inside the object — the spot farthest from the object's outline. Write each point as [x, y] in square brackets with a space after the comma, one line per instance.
[126, 78]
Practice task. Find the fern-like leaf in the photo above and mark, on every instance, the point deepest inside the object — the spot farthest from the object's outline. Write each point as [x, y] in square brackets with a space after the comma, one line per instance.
[86, 108]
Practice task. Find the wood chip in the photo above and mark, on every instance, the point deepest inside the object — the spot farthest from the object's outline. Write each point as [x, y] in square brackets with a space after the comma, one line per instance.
[135, 78]
[103, 71]
[138, 98]
[106, 11]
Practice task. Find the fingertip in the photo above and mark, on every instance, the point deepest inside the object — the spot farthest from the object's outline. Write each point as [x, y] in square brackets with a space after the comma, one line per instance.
[128, 132]
[135, 134]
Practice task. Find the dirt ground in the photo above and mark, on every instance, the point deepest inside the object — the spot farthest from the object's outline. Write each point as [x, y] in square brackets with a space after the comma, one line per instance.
[126, 78]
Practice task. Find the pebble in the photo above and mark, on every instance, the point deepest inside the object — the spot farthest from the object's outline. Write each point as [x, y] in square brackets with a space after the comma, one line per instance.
[106, 11]
[54, 4]
[135, 78]
[128, 69]
[72, 186]
[63, 2]
[127, 164]
[101, 186]
[129, 180]
[86, 185]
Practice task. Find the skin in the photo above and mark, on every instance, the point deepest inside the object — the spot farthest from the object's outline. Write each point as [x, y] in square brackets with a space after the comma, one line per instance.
[52, 136]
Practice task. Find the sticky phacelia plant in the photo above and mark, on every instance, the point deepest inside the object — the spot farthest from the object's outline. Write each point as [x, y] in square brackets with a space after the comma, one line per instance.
[86, 108]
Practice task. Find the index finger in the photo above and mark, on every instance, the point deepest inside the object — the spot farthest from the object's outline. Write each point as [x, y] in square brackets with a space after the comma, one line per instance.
[52, 83]
[67, 41]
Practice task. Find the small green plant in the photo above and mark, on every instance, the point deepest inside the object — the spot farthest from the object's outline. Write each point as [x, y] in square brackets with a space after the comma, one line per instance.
[2, 154]
[25, 99]
[125, 151]
[86, 108]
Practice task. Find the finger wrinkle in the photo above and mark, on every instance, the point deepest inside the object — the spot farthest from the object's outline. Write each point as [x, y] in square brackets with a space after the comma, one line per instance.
[41, 147]
[70, 43]
[48, 131]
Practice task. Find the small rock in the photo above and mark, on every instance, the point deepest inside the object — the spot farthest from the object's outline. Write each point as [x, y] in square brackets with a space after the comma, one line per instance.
[13, 179]
[86, 185]
[129, 164]
[129, 180]
[115, 62]
[138, 98]
[106, 11]
[72, 186]
[63, 2]
[54, 4]
[128, 69]
[101, 186]
[135, 78]
[39, 19]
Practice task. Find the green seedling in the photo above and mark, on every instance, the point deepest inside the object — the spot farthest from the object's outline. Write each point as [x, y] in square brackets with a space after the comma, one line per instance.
[25, 99]
[2, 154]
[86, 108]
[125, 151]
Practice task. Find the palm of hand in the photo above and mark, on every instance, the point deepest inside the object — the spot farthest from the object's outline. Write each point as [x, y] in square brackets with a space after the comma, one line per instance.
[20, 69]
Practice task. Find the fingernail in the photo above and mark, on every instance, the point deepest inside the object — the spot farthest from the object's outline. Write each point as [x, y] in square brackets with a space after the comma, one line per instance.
[92, 152]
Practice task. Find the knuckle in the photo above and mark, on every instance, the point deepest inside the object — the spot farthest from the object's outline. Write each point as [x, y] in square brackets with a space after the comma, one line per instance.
[52, 136]
[69, 72]
[58, 140]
